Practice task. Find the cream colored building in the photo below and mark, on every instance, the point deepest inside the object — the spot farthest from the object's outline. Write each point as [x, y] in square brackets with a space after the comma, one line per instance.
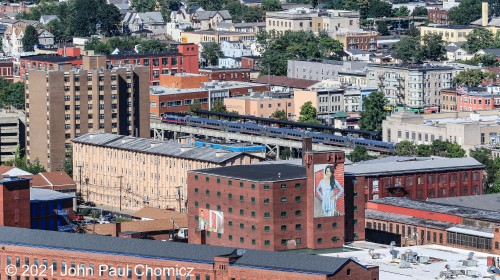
[142, 172]
[449, 33]
[294, 20]
[216, 36]
[261, 104]
[465, 128]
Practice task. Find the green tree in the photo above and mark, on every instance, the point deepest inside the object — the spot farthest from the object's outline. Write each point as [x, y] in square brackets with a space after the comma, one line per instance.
[382, 28]
[57, 29]
[406, 148]
[408, 49]
[469, 77]
[433, 47]
[280, 115]
[35, 167]
[285, 153]
[11, 94]
[30, 39]
[360, 153]
[478, 39]
[424, 150]
[211, 53]
[402, 11]
[68, 162]
[466, 12]
[420, 11]
[21, 162]
[144, 5]
[98, 46]
[195, 107]
[308, 113]
[219, 106]
[373, 111]
[376, 8]
[271, 5]
[279, 48]
[148, 46]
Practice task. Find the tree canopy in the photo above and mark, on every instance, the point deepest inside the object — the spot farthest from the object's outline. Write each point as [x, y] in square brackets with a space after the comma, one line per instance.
[469, 77]
[78, 18]
[373, 111]
[466, 12]
[211, 53]
[293, 45]
[360, 153]
[308, 113]
[437, 148]
[410, 49]
[22, 163]
[491, 167]
[11, 94]
[195, 107]
[280, 115]
[433, 48]
[420, 11]
[130, 42]
[30, 39]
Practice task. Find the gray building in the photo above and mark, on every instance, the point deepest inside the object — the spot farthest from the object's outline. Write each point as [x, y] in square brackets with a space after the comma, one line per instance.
[12, 131]
[321, 69]
[413, 85]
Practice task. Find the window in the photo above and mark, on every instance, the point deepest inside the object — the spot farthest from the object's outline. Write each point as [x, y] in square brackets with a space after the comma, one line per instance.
[320, 240]
[252, 199]
[230, 209]
[297, 213]
[298, 199]
[230, 196]
[283, 199]
[241, 184]
[218, 181]
[267, 215]
[267, 228]
[334, 225]
[297, 186]
[242, 225]
[242, 212]
[242, 198]
[283, 186]
[267, 242]
[230, 183]
[320, 226]
[283, 228]
[266, 187]
[298, 226]
[266, 201]
[283, 213]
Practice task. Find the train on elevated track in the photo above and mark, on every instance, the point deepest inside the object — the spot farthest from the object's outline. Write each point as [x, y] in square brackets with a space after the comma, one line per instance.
[284, 133]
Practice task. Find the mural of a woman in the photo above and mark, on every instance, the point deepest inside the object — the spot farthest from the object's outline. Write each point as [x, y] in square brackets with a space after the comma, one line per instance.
[326, 190]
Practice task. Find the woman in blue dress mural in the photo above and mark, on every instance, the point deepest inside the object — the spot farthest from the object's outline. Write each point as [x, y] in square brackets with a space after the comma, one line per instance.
[326, 190]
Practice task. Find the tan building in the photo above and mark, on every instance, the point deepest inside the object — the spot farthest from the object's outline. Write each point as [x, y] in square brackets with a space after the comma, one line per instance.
[358, 40]
[465, 128]
[327, 100]
[216, 36]
[335, 21]
[261, 104]
[141, 172]
[62, 105]
[298, 19]
[449, 33]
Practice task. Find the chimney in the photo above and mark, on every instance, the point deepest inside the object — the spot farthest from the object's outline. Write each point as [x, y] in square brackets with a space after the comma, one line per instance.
[306, 146]
[485, 13]
[117, 229]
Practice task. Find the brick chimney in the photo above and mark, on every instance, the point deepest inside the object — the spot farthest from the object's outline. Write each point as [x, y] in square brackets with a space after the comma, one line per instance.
[306, 146]
[117, 229]
[484, 17]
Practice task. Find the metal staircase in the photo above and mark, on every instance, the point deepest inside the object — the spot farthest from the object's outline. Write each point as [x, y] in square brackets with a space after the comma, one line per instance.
[70, 226]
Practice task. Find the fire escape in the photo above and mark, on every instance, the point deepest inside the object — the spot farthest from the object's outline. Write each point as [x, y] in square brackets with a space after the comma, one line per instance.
[381, 85]
[400, 90]
[396, 189]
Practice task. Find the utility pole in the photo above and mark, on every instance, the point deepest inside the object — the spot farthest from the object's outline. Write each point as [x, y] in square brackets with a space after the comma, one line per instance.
[80, 183]
[120, 177]
[179, 197]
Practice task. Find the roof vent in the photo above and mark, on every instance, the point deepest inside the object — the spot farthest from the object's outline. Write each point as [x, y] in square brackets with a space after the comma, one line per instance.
[279, 175]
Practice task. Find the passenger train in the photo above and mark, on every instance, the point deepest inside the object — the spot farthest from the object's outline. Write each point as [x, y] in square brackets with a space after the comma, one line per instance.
[285, 133]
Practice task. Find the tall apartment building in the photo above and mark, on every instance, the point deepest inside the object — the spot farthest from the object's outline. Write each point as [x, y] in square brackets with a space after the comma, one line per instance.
[61, 105]
[130, 173]
[12, 132]
[320, 70]
[413, 85]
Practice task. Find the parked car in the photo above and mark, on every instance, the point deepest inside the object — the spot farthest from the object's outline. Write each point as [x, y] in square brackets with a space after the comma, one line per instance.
[89, 203]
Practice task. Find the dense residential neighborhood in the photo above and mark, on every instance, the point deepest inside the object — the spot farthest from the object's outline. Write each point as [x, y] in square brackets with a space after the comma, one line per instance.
[249, 139]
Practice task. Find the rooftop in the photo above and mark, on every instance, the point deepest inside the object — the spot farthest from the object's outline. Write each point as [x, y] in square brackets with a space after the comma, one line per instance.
[402, 165]
[150, 213]
[162, 148]
[285, 81]
[435, 207]
[258, 172]
[51, 58]
[490, 202]
[452, 26]
[95, 244]
[45, 195]
[161, 90]
[138, 226]
[141, 55]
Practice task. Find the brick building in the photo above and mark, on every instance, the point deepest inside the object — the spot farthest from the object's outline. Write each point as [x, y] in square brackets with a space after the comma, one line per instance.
[177, 100]
[438, 16]
[14, 202]
[412, 222]
[144, 172]
[184, 60]
[61, 105]
[358, 40]
[95, 257]
[7, 70]
[270, 207]
[418, 178]
[227, 74]
[251, 62]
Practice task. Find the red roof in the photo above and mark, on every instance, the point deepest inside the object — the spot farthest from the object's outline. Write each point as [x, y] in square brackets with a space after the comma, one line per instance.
[56, 181]
[5, 169]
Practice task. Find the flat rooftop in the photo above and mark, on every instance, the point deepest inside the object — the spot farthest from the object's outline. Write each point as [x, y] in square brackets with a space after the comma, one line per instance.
[51, 58]
[162, 148]
[430, 206]
[37, 194]
[176, 251]
[402, 165]
[161, 90]
[458, 27]
[490, 202]
[258, 173]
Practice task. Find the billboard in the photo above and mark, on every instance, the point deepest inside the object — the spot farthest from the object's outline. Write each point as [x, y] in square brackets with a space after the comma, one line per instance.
[211, 220]
[328, 190]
